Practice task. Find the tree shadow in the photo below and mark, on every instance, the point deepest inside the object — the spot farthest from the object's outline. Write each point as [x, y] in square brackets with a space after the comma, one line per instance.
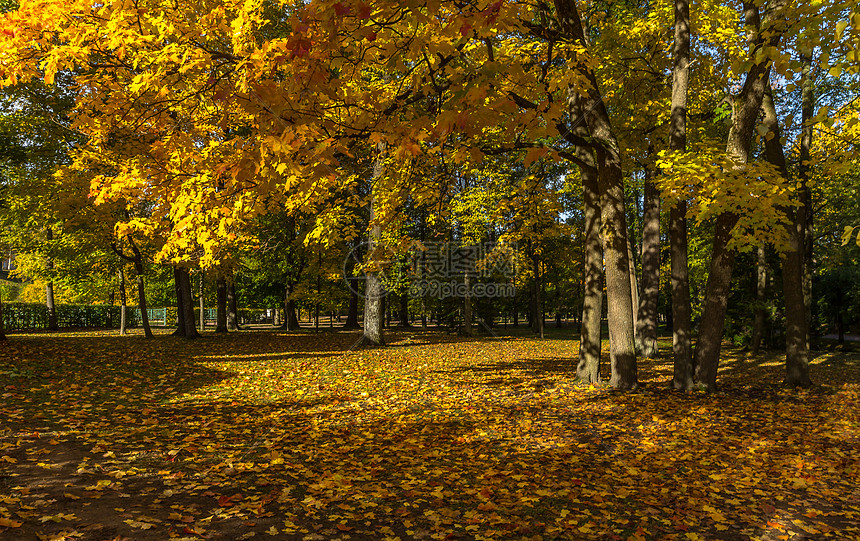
[508, 449]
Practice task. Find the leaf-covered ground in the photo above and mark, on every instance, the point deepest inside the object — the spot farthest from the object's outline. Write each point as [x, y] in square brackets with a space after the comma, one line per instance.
[294, 436]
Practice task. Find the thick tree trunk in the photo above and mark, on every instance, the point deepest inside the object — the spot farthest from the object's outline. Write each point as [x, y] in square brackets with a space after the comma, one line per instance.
[682, 312]
[187, 326]
[840, 324]
[716, 302]
[202, 302]
[796, 324]
[634, 284]
[804, 211]
[682, 349]
[760, 285]
[180, 312]
[588, 367]
[291, 320]
[538, 298]
[746, 108]
[49, 287]
[403, 314]
[352, 312]
[796, 329]
[2, 325]
[646, 322]
[374, 295]
[467, 305]
[232, 306]
[137, 259]
[123, 303]
[622, 348]
[188, 304]
[221, 301]
[618, 292]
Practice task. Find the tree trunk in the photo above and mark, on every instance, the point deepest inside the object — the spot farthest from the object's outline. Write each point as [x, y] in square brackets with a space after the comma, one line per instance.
[232, 306]
[291, 320]
[49, 287]
[403, 310]
[221, 301]
[536, 302]
[123, 303]
[746, 108]
[646, 322]
[588, 367]
[840, 325]
[619, 295]
[760, 284]
[180, 312]
[201, 301]
[2, 325]
[374, 292]
[804, 211]
[467, 305]
[796, 330]
[796, 323]
[352, 312]
[716, 301]
[141, 287]
[187, 326]
[318, 291]
[681, 310]
[634, 285]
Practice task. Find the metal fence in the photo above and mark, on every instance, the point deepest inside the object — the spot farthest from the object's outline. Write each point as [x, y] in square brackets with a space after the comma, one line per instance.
[19, 316]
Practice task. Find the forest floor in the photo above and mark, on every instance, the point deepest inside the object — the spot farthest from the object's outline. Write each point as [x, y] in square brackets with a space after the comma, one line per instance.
[269, 435]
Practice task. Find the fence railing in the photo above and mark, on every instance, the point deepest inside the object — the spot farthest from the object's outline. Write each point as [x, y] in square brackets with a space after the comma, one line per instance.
[18, 316]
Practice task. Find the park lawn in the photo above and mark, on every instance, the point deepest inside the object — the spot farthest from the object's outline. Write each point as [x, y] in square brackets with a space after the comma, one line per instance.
[270, 435]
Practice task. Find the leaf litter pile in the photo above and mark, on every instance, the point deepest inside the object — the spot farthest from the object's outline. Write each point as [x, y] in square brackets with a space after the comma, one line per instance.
[269, 435]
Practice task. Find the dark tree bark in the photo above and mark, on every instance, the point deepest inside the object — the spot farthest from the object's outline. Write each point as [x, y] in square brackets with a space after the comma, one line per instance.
[796, 330]
[374, 295]
[716, 302]
[403, 314]
[588, 367]
[804, 211]
[760, 286]
[2, 326]
[232, 305]
[123, 303]
[352, 311]
[682, 349]
[141, 287]
[201, 302]
[49, 287]
[136, 258]
[746, 108]
[180, 312]
[538, 321]
[467, 306]
[634, 284]
[619, 295]
[185, 304]
[221, 301]
[646, 322]
[291, 320]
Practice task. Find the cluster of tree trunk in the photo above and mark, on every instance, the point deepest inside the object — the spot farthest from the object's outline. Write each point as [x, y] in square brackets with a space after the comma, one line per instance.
[2, 332]
[606, 243]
